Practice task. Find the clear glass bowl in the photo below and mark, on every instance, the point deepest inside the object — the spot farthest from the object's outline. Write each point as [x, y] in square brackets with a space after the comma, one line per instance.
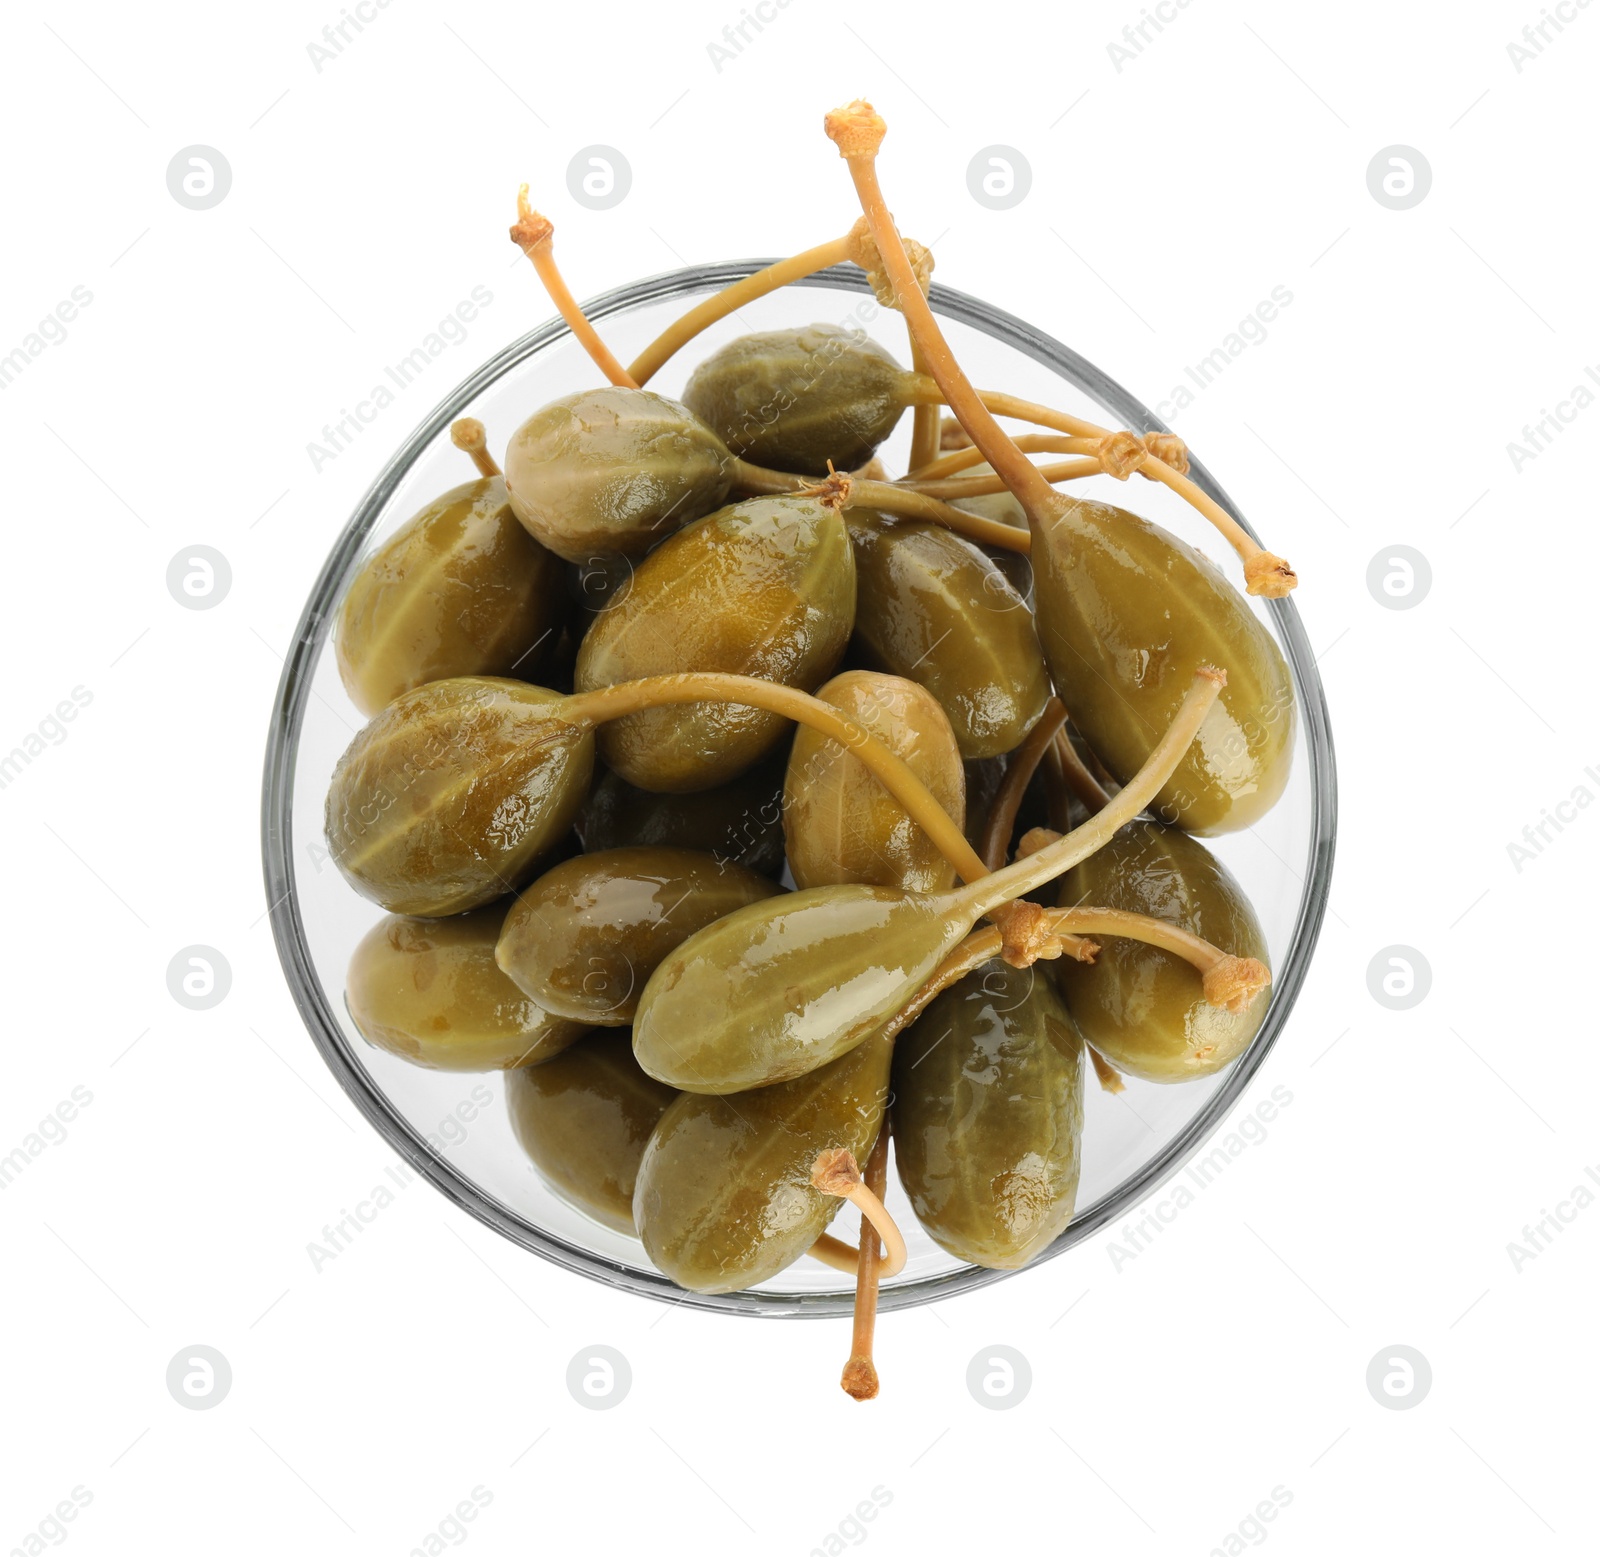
[453, 1128]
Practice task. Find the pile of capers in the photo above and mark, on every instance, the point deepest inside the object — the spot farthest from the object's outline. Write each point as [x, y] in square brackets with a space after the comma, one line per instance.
[753, 811]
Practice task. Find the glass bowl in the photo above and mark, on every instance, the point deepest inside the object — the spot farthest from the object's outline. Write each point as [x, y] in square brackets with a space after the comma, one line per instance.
[453, 1128]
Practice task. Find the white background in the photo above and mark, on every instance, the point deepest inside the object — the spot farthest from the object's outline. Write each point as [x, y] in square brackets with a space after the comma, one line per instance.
[1169, 197]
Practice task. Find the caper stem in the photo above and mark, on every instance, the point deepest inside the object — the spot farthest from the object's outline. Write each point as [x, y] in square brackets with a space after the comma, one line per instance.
[859, 1380]
[631, 697]
[858, 131]
[837, 1173]
[925, 420]
[1076, 772]
[1265, 573]
[892, 498]
[835, 1253]
[1020, 767]
[1110, 1080]
[719, 305]
[962, 459]
[955, 488]
[467, 433]
[533, 234]
[983, 897]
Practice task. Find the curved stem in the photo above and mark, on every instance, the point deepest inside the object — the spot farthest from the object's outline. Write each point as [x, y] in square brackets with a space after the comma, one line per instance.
[1003, 886]
[1077, 775]
[533, 234]
[467, 433]
[836, 1173]
[925, 421]
[859, 1380]
[890, 497]
[835, 1253]
[958, 487]
[631, 697]
[1002, 819]
[719, 305]
[963, 459]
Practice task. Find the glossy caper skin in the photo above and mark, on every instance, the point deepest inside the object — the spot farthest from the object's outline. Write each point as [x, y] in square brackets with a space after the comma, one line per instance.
[583, 939]
[1142, 1007]
[933, 608]
[795, 399]
[612, 470]
[988, 1116]
[428, 990]
[1126, 613]
[780, 988]
[740, 822]
[761, 588]
[724, 1198]
[453, 795]
[841, 824]
[461, 589]
[584, 1119]
[1003, 508]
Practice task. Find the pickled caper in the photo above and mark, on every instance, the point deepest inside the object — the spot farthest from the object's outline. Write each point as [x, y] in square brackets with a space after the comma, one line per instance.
[724, 1198]
[933, 608]
[583, 939]
[612, 470]
[460, 590]
[988, 1116]
[798, 399]
[1138, 1005]
[840, 823]
[762, 588]
[428, 991]
[452, 795]
[584, 1119]
[1125, 609]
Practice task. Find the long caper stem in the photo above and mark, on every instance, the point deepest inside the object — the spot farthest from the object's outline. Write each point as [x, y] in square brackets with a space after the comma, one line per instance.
[1265, 572]
[858, 132]
[836, 1254]
[533, 234]
[730, 299]
[467, 433]
[631, 697]
[957, 460]
[954, 488]
[891, 498]
[995, 843]
[925, 421]
[859, 1380]
[983, 897]
[1075, 771]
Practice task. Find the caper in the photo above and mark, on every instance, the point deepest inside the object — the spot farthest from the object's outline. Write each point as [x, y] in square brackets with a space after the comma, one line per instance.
[724, 1198]
[840, 823]
[988, 1116]
[798, 399]
[933, 608]
[584, 937]
[740, 822]
[461, 589]
[762, 588]
[449, 798]
[1139, 1005]
[1003, 508]
[612, 470]
[428, 991]
[584, 1119]
[1125, 610]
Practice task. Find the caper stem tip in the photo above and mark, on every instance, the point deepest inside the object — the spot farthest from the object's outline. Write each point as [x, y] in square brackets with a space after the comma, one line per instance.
[857, 129]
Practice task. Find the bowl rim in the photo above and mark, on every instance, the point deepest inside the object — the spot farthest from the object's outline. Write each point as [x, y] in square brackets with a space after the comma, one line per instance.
[292, 697]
